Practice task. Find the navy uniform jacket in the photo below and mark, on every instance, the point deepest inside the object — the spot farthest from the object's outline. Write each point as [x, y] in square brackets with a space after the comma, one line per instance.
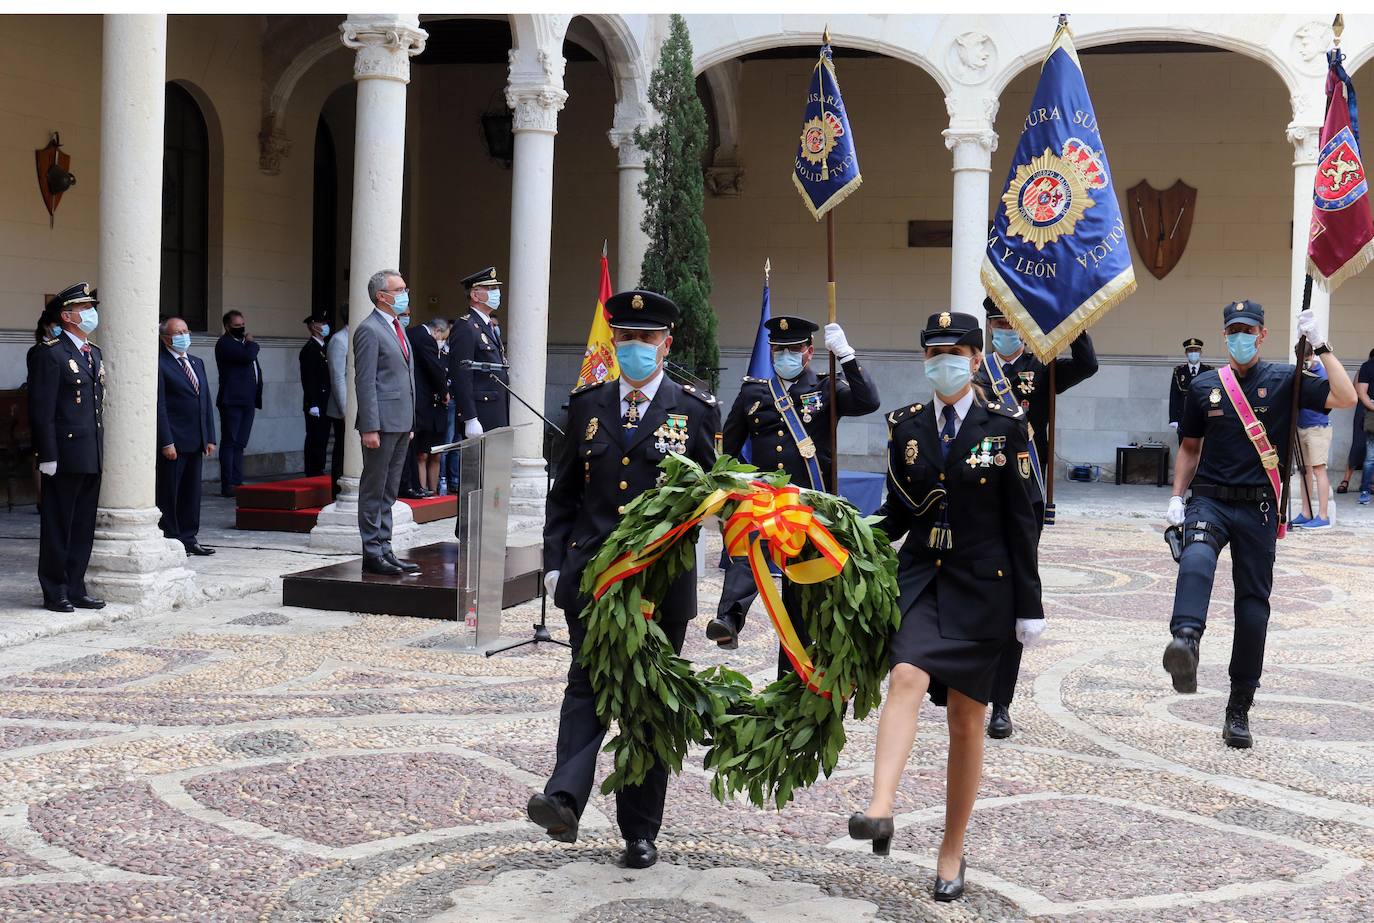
[755, 417]
[431, 382]
[65, 403]
[599, 472]
[990, 577]
[314, 376]
[1178, 388]
[240, 376]
[478, 395]
[185, 419]
[1228, 457]
[1030, 385]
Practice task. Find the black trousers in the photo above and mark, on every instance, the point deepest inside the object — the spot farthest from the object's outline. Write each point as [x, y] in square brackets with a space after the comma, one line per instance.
[1004, 686]
[638, 808]
[236, 425]
[737, 595]
[336, 461]
[316, 443]
[177, 489]
[1249, 527]
[66, 532]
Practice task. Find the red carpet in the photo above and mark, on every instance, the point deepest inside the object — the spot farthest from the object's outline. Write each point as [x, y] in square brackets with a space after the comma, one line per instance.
[293, 505]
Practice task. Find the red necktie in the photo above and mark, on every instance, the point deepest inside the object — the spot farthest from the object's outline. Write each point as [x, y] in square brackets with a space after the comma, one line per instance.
[186, 367]
[86, 351]
[400, 335]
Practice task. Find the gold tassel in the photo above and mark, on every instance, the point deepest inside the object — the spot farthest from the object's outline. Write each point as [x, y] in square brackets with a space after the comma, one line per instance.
[941, 538]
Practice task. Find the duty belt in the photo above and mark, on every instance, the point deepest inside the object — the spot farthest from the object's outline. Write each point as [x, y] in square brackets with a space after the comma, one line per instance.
[1222, 492]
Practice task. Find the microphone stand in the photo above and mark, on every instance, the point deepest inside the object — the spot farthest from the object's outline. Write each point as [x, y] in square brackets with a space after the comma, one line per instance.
[541, 628]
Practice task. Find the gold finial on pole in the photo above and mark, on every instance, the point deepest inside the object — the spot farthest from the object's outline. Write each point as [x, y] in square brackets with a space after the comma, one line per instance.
[1063, 19]
[1337, 27]
[825, 35]
[604, 242]
[767, 268]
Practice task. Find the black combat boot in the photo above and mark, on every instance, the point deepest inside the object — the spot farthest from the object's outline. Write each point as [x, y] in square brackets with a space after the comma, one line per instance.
[1180, 659]
[1236, 730]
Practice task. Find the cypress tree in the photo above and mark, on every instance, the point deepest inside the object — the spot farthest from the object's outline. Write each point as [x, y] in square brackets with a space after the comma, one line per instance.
[678, 261]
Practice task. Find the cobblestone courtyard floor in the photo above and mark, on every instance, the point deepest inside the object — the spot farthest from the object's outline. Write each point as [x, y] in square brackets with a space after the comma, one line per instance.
[244, 761]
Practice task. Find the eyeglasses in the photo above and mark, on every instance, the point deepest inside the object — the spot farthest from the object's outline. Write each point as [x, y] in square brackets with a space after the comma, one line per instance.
[398, 291]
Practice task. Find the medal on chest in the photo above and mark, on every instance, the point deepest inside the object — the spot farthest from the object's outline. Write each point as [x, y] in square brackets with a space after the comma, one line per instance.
[672, 434]
[987, 453]
[1025, 382]
[811, 404]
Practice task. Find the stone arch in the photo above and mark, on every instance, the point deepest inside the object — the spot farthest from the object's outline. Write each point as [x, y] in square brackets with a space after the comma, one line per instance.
[214, 213]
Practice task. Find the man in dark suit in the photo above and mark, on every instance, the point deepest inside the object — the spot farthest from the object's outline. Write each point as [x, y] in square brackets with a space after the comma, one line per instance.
[618, 432]
[477, 358]
[794, 437]
[185, 435]
[384, 381]
[239, 397]
[66, 396]
[431, 396]
[1183, 380]
[315, 394]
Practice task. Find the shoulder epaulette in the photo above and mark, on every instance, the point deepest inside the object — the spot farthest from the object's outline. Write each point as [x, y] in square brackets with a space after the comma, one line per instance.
[701, 394]
[1014, 411]
[760, 381]
[589, 386]
[52, 341]
[901, 413]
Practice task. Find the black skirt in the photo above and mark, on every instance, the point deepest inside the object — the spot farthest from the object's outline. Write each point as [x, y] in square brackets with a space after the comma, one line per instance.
[969, 667]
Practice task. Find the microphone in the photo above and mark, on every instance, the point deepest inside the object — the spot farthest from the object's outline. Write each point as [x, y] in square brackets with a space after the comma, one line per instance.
[482, 366]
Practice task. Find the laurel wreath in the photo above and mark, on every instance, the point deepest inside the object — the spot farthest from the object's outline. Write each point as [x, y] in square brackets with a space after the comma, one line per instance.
[768, 743]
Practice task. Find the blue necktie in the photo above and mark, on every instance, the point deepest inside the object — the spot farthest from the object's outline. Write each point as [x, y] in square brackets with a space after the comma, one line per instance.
[947, 431]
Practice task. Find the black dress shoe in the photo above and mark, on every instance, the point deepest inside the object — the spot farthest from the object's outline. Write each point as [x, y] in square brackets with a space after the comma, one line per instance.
[197, 548]
[410, 567]
[382, 566]
[949, 890]
[1235, 731]
[416, 493]
[877, 829]
[1180, 659]
[999, 725]
[58, 605]
[723, 633]
[556, 814]
[85, 602]
[639, 854]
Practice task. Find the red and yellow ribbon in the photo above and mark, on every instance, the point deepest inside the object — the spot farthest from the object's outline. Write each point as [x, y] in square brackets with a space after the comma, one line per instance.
[764, 513]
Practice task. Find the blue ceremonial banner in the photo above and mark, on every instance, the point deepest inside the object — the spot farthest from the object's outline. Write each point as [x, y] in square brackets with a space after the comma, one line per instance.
[1058, 257]
[827, 164]
[761, 359]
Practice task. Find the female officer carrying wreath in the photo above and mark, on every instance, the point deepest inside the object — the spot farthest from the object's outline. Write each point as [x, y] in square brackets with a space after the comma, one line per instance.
[959, 487]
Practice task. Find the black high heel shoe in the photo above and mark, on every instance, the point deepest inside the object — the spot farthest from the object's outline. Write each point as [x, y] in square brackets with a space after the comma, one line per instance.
[949, 890]
[877, 829]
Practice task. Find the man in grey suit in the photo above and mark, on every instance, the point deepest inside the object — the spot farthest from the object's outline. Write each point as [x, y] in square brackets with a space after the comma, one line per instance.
[384, 374]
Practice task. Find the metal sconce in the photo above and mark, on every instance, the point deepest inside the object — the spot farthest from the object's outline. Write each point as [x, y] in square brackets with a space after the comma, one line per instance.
[499, 135]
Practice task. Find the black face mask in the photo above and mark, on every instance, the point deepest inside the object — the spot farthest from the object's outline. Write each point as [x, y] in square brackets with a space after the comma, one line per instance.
[237, 332]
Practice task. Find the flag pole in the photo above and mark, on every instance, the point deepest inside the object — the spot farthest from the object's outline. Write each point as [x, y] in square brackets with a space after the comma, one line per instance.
[1047, 463]
[830, 294]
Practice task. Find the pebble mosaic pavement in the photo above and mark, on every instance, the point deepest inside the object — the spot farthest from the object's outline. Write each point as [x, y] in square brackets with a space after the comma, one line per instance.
[249, 762]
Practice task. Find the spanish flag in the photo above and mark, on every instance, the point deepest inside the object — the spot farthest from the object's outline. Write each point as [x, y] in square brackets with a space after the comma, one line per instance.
[598, 361]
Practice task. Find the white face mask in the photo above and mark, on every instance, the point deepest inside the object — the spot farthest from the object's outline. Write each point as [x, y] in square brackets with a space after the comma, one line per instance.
[493, 299]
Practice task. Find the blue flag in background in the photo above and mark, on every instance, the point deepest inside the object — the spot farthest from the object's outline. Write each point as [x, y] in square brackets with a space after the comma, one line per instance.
[761, 359]
[1058, 257]
[827, 165]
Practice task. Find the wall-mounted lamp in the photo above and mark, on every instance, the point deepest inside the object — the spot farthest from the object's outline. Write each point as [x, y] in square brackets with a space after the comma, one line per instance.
[53, 176]
[498, 133]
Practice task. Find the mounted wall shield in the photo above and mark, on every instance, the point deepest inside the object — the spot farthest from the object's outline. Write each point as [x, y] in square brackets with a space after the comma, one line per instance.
[1160, 223]
[54, 177]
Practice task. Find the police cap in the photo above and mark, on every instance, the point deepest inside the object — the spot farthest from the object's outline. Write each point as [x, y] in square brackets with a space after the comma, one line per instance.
[639, 310]
[991, 308]
[481, 277]
[952, 329]
[80, 293]
[1192, 343]
[789, 331]
[1242, 312]
[316, 319]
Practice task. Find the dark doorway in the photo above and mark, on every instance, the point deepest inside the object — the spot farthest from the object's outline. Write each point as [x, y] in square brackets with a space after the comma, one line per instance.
[185, 210]
[325, 226]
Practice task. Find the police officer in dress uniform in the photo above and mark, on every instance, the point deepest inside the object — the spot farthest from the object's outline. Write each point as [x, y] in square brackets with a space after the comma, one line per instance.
[794, 438]
[1028, 383]
[315, 394]
[477, 358]
[618, 432]
[66, 394]
[1234, 499]
[1183, 379]
[961, 489]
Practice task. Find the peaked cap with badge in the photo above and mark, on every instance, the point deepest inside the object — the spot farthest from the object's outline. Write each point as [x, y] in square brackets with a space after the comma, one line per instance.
[1192, 343]
[951, 328]
[785, 330]
[1242, 312]
[482, 277]
[641, 310]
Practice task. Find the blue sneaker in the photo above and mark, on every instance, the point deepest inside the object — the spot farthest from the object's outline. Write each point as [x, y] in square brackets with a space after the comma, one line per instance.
[1299, 520]
[1364, 498]
[1316, 522]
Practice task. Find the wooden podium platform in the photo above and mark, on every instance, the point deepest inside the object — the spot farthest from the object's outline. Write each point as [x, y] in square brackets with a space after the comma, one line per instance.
[430, 594]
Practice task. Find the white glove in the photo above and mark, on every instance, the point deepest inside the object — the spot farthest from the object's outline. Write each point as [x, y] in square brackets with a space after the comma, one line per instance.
[48, 468]
[1173, 424]
[1028, 631]
[551, 582]
[835, 342]
[472, 428]
[1307, 326]
[1178, 512]
[314, 411]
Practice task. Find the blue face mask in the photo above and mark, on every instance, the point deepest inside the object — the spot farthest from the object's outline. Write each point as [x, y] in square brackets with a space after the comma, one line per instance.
[55, 330]
[1006, 342]
[1241, 346]
[638, 360]
[493, 298]
[324, 331]
[948, 373]
[90, 319]
[788, 363]
[1194, 356]
[404, 319]
[402, 302]
[181, 342]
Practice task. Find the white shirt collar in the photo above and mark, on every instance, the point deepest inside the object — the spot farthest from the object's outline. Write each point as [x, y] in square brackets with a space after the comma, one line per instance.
[648, 390]
[961, 409]
[319, 340]
[1192, 367]
[75, 339]
[174, 354]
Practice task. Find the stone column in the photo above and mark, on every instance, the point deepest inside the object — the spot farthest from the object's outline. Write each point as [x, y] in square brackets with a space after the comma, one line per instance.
[1306, 141]
[633, 242]
[972, 143]
[384, 46]
[531, 233]
[131, 560]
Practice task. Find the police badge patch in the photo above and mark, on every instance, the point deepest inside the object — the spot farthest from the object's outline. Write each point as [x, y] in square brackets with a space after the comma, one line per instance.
[1023, 465]
[1045, 200]
[912, 451]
